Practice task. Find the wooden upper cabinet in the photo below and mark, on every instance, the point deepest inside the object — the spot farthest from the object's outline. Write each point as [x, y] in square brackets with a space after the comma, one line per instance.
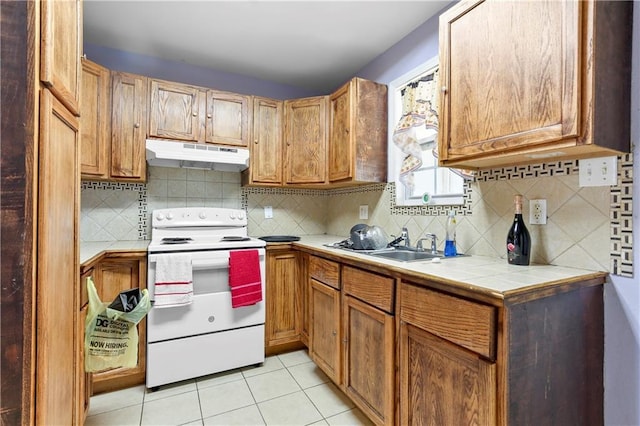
[305, 140]
[95, 121]
[228, 118]
[60, 47]
[266, 148]
[521, 82]
[196, 114]
[358, 132]
[174, 111]
[128, 127]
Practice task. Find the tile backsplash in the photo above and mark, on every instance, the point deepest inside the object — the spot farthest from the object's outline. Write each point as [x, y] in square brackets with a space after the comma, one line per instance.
[122, 211]
[587, 227]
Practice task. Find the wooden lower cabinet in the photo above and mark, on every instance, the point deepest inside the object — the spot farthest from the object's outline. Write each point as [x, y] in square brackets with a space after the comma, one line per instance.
[443, 384]
[281, 324]
[369, 367]
[324, 329]
[111, 276]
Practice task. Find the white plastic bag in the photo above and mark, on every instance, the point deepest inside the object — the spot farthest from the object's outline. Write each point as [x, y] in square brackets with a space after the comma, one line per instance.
[111, 336]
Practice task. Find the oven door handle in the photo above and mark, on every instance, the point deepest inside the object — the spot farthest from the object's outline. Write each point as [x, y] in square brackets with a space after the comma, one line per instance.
[199, 264]
[210, 264]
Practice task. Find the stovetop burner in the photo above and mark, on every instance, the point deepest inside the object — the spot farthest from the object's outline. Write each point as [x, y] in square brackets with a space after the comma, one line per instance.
[175, 240]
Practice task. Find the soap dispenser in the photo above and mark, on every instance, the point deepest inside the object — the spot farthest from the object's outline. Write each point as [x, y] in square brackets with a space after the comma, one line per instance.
[450, 240]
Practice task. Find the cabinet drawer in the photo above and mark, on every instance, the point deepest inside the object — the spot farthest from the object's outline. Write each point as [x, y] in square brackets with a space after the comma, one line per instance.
[468, 324]
[377, 290]
[325, 271]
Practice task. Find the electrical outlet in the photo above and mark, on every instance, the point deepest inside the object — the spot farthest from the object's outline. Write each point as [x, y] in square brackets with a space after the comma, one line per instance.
[364, 212]
[538, 212]
[268, 212]
[601, 171]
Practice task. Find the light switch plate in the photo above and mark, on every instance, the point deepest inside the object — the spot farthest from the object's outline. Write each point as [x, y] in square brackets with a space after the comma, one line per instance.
[268, 212]
[364, 212]
[602, 171]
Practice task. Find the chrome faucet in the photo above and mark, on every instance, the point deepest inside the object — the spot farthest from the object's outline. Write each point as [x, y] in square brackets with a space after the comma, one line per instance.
[405, 237]
[434, 242]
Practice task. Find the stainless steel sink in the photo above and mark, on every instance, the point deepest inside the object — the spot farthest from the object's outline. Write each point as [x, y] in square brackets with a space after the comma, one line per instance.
[408, 255]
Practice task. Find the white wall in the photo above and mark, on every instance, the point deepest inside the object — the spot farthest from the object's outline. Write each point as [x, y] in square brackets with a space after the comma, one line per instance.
[622, 296]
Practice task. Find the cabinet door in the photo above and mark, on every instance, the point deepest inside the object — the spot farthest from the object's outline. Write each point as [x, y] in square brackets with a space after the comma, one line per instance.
[369, 361]
[227, 120]
[111, 277]
[174, 112]
[340, 146]
[281, 321]
[324, 329]
[95, 121]
[129, 130]
[60, 47]
[266, 149]
[510, 76]
[57, 282]
[305, 140]
[443, 384]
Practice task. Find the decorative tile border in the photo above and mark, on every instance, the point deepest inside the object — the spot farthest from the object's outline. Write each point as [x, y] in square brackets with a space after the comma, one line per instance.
[621, 196]
[430, 210]
[140, 188]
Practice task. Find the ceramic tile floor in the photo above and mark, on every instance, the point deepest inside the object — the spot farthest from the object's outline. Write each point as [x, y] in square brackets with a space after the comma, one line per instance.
[288, 389]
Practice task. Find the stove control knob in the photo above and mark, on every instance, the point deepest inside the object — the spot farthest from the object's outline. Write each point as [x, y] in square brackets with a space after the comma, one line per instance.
[169, 216]
[232, 215]
[160, 216]
[202, 215]
[241, 215]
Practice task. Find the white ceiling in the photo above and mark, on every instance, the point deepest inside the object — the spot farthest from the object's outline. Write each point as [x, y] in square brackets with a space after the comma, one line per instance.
[311, 44]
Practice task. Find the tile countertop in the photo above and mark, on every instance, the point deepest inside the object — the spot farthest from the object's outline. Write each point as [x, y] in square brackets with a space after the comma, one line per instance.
[493, 276]
[90, 250]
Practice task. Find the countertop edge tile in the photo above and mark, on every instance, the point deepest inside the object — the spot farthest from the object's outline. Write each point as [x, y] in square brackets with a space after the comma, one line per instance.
[492, 276]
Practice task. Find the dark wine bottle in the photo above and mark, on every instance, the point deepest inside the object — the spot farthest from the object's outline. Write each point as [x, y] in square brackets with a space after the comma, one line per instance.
[518, 239]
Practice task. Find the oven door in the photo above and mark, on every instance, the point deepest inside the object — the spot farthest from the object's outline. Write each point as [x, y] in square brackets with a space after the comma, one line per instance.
[210, 310]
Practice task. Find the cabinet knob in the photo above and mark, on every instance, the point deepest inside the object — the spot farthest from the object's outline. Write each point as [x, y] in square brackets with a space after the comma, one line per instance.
[137, 125]
[444, 89]
[255, 141]
[209, 115]
[334, 333]
[195, 114]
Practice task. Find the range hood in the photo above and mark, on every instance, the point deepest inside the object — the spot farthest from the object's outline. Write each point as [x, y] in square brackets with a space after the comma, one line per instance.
[165, 153]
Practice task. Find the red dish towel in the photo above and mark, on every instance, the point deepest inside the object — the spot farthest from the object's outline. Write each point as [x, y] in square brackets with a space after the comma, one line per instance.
[244, 278]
